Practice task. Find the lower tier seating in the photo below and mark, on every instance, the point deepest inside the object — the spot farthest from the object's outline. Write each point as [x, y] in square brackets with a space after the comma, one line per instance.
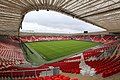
[68, 67]
[10, 53]
[55, 77]
[106, 66]
[43, 38]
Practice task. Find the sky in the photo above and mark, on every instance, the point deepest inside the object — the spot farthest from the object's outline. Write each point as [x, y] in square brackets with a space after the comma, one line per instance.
[53, 22]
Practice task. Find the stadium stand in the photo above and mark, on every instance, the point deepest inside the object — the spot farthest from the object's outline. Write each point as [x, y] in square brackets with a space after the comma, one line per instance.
[43, 38]
[104, 59]
[10, 53]
[96, 38]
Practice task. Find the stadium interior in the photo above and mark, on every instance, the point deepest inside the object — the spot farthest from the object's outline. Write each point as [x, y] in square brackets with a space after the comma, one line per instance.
[81, 56]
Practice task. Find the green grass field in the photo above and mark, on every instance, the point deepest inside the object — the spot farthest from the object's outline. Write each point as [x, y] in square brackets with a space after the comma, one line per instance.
[55, 49]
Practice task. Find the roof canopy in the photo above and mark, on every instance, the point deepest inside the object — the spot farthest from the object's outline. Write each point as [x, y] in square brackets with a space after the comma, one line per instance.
[103, 13]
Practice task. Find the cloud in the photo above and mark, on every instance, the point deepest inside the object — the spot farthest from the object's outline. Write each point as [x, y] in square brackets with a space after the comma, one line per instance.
[50, 21]
[34, 27]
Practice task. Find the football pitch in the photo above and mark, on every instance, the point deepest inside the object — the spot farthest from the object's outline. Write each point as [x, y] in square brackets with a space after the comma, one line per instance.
[55, 49]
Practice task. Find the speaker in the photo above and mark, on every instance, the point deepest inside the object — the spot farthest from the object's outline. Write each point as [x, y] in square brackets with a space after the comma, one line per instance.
[85, 31]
